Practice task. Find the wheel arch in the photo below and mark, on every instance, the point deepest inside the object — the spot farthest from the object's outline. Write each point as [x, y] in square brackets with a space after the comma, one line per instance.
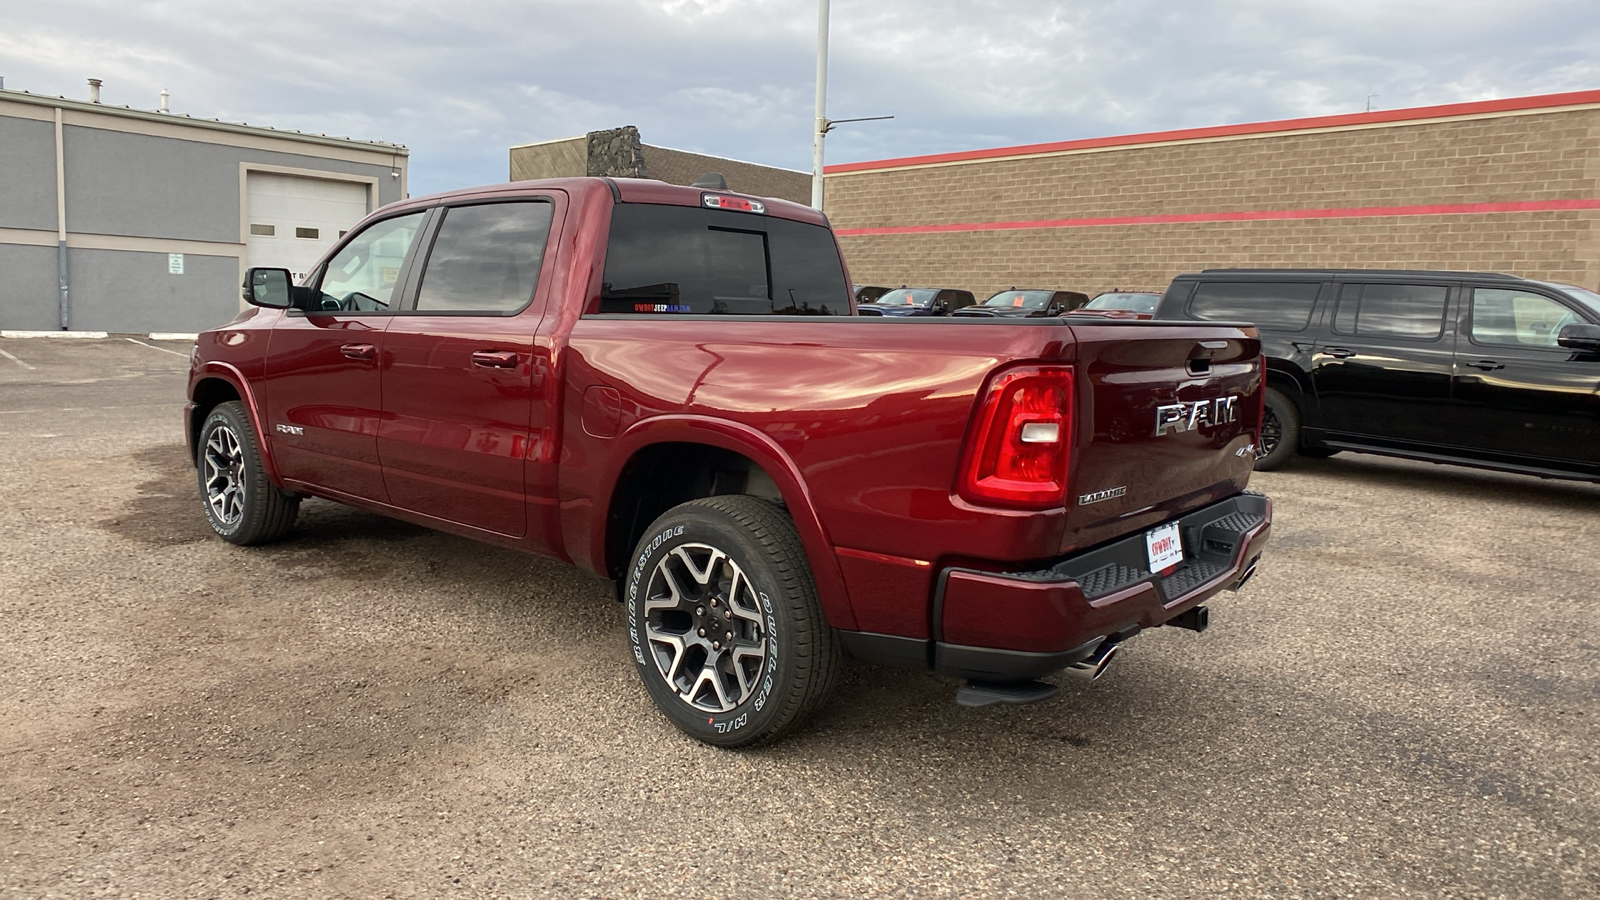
[216, 384]
[671, 460]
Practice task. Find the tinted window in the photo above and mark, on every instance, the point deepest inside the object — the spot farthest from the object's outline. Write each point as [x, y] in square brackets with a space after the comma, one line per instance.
[364, 274]
[680, 259]
[1411, 311]
[1280, 306]
[486, 258]
[1518, 318]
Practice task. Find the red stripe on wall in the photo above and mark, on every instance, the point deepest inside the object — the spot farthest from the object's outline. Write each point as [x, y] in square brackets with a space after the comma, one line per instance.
[1450, 209]
[1482, 107]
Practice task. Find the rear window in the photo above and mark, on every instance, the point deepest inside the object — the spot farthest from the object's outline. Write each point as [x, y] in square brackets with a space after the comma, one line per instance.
[1280, 306]
[1411, 311]
[691, 261]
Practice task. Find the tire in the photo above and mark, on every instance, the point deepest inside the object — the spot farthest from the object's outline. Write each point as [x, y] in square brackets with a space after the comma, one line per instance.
[728, 565]
[1280, 431]
[242, 504]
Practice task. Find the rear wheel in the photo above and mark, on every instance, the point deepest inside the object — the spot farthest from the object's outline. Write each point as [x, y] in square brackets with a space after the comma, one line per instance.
[241, 502]
[1280, 431]
[723, 618]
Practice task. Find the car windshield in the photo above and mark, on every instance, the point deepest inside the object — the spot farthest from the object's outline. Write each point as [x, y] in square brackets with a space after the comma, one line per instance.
[1020, 299]
[1582, 295]
[1144, 303]
[906, 297]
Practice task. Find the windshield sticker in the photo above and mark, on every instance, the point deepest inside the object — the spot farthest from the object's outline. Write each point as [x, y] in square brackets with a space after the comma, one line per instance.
[661, 307]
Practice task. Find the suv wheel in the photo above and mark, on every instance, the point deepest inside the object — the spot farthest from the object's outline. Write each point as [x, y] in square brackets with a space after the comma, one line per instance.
[724, 621]
[241, 502]
[1280, 431]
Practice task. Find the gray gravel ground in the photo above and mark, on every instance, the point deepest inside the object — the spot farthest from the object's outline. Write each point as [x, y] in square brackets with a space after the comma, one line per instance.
[1405, 702]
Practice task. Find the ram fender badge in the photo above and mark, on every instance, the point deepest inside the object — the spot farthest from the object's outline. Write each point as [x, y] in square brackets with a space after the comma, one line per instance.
[1097, 496]
[291, 429]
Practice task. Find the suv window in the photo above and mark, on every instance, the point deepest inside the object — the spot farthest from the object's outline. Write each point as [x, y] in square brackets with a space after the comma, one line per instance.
[1281, 306]
[1518, 318]
[486, 258]
[682, 259]
[364, 275]
[1411, 311]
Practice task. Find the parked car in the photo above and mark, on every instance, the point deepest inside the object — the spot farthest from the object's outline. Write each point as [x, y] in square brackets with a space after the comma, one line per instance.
[1013, 303]
[866, 293]
[664, 385]
[1473, 368]
[1122, 305]
[920, 302]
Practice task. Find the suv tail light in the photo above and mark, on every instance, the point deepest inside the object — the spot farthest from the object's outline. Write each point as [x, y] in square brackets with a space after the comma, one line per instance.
[1020, 444]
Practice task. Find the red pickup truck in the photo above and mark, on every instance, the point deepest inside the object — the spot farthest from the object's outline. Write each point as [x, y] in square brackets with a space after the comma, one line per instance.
[668, 386]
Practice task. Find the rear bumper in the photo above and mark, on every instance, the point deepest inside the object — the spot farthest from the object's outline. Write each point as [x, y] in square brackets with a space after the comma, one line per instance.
[1014, 626]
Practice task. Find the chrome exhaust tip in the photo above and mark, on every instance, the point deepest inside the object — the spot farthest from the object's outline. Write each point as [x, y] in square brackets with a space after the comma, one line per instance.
[1094, 665]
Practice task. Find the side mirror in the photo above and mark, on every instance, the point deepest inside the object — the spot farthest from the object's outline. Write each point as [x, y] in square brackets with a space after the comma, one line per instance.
[270, 288]
[1579, 336]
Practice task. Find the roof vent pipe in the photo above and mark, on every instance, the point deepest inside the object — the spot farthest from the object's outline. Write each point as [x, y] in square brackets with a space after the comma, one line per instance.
[94, 90]
[164, 98]
[2, 82]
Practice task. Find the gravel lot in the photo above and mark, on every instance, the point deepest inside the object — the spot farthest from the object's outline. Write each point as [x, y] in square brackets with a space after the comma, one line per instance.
[1405, 701]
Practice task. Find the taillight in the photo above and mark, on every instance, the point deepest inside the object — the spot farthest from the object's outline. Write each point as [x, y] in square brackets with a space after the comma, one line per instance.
[1020, 444]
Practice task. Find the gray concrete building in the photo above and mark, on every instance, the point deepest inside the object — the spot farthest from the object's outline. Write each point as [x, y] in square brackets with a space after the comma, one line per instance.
[126, 220]
[620, 153]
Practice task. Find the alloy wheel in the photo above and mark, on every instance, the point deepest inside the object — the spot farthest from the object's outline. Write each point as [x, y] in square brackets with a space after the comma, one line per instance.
[704, 627]
[222, 465]
[1271, 433]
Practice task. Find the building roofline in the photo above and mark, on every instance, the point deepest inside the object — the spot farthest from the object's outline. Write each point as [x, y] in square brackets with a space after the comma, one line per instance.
[151, 115]
[744, 162]
[1481, 108]
[576, 137]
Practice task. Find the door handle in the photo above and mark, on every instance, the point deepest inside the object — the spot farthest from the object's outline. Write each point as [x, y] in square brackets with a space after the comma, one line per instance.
[1488, 365]
[494, 359]
[359, 351]
[1338, 352]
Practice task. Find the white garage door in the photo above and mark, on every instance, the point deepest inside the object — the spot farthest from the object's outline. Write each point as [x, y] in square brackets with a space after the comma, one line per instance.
[294, 220]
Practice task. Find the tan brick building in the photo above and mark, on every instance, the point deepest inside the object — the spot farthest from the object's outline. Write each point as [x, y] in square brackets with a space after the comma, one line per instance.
[618, 152]
[1507, 185]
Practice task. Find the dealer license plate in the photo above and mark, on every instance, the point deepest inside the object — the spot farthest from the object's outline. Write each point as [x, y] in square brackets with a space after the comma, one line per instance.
[1165, 546]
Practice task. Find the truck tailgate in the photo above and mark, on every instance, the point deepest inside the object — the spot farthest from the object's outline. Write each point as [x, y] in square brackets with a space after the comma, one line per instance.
[1167, 422]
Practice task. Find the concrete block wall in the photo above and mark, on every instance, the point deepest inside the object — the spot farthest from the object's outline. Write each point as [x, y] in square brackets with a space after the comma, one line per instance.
[1502, 192]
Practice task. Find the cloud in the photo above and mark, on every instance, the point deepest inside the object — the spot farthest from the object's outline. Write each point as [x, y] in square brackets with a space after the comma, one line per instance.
[459, 83]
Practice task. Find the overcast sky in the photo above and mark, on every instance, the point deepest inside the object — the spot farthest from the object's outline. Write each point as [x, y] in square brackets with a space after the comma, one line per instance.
[460, 81]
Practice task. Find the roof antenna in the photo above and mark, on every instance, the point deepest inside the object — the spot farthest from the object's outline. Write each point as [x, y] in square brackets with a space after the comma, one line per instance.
[712, 180]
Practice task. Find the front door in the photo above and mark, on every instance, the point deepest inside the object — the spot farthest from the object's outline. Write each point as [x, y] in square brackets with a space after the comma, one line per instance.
[1517, 392]
[462, 370]
[1382, 369]
[321, 378]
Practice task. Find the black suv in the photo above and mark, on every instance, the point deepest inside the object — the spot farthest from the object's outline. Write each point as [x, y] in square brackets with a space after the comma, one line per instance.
[1472, 368]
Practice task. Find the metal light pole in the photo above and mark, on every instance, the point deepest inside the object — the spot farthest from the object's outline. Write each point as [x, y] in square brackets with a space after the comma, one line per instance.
[822, 123]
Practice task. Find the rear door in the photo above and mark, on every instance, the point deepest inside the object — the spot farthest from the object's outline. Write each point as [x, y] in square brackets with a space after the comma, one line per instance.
[1517, 392]
[1383, 366]
[461, 369]
[321, 379]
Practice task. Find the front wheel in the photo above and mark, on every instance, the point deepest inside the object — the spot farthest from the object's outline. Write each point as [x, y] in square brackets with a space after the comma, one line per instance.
[241, 502]
[1280, 431]
[724, 622]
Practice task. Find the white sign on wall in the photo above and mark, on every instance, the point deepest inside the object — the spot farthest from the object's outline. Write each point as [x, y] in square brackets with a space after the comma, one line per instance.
[175, 263]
